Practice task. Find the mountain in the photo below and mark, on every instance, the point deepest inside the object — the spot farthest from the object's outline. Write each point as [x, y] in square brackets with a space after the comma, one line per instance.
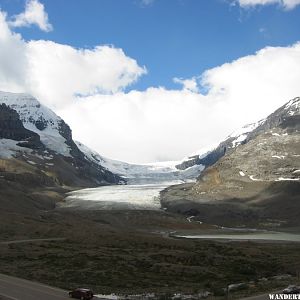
[240, 136]
[161, 172]
[253, 178]
[35, 135]
[212, 155]
[40, 143]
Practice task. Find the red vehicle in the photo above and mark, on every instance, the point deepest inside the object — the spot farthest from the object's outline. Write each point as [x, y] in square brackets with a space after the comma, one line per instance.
[82, 294]
[291, 289]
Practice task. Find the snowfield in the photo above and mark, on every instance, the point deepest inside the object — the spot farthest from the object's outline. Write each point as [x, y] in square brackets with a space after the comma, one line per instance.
[152, 173]
[9, 148]
[144, 183]
[142, 196]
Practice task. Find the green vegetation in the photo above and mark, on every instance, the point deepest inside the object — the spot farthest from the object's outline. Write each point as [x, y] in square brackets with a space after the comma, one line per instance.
[144, 263]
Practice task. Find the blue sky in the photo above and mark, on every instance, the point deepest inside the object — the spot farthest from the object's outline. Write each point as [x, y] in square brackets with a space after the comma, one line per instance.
[152, 80]
[172, 38]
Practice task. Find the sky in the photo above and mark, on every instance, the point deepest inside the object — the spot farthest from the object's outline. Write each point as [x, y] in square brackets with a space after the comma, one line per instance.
[152, 80]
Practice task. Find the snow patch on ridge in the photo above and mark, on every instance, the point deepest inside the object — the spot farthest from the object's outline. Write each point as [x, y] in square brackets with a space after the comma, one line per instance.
[293, 106]
[278, 156]
[254, 179]
[241, 134]
[9, 148]
[287, 179]
[31, 111]
[201, 153]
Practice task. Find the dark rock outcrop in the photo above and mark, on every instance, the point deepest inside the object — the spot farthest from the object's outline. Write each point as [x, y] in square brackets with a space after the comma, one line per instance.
[208, 159]
[11, 127]
[59, 158]
[86, 168]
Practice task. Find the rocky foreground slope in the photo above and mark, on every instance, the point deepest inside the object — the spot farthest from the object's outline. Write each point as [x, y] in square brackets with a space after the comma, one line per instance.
[255, 183]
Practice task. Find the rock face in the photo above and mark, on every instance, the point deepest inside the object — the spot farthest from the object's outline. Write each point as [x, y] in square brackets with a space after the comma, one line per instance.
[12, 128]
[284, 116]
[50, 148]
[228, 145]
[255, 183]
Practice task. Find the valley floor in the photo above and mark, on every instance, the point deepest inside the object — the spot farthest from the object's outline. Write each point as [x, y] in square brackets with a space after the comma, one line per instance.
[132, 252]
[129, 251]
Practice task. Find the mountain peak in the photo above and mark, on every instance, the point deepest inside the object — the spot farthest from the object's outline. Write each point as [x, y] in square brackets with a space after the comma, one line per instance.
[39, 119]
[28, 123]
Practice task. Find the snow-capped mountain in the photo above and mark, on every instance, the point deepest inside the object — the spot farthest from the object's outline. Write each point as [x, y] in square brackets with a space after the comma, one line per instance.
[54, 133]
[241, 136]
[35, 135]
[256, 183]
[54, 147]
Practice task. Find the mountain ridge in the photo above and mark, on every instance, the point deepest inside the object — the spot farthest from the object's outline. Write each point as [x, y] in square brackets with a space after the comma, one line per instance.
[56, 155]
[241, 136]
[255, 181]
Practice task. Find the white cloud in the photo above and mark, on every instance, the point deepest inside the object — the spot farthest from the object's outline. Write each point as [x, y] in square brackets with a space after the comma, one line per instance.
[188, 84]
[255, 85]
[55, 72]
[286, 4]
[13, 62]
[158, 123]
[34, 14]
[144, 126]
[63, 71]
[147, 2]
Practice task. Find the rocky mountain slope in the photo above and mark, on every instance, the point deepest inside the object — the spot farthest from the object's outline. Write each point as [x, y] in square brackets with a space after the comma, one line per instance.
[210, 156]
[238, 137]
[256, 182]
[40, 144]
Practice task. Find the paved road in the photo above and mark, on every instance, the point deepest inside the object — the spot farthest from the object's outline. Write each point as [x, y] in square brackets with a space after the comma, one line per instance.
[32, 240]
[261, 297]
[14, 288]
[19, 289]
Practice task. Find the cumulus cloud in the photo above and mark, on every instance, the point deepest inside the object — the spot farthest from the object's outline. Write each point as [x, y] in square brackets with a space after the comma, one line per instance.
[64, 71]
[56, 72]
[286, 4]
[188, 84]
[13, 63]
[255, 85]
[34, 14]
[86, 87]
[161, 124]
